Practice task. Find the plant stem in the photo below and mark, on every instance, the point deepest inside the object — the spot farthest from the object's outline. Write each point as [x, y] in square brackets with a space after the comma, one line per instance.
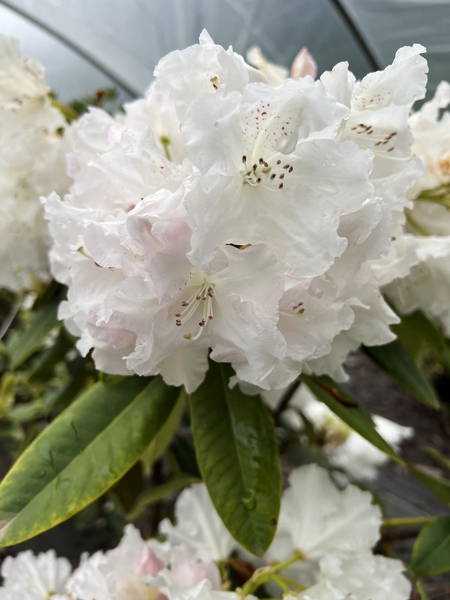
[405, 521]
[69, 112]
[415, 224]
[269, 573]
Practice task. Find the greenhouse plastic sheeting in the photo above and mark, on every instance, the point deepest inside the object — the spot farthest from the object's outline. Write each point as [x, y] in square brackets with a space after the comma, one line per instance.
[90, 44]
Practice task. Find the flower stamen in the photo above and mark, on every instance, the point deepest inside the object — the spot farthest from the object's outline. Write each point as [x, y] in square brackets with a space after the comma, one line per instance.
[204, 295]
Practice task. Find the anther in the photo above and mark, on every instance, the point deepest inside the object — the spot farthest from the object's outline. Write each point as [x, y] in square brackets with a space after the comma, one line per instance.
[291, 169]
[178, 314]
[286, 166]
[261, 161]
[258, 180]
[255, 166]
[282, 176]
[272, 177]
[278, 162]
[184, 303]
[280, 187]
[244, 159]
[202, 323]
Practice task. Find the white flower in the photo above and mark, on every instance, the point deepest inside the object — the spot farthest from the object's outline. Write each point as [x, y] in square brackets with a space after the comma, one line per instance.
[360, 577]
[231, 308]
[198, 525]
[118, 574]
[266, 179]
[32, 164]
[275, 74]
[113, 169]
[257, 245]
[303, 65]
[319, 519]
[418, 278]
[141, 570]
[431, 132]
[380, 105]
[201, 591]
[427, 285]
[184, 75]
[159, 115]
[30, 577]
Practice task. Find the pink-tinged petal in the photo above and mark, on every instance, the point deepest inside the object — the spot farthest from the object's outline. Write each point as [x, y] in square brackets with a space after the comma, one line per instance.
[149, 563]
[303, 65]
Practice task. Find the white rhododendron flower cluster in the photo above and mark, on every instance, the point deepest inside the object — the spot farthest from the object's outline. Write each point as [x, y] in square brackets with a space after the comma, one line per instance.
[331, 539]
[32, 164]
[425, 283]
[223, 213]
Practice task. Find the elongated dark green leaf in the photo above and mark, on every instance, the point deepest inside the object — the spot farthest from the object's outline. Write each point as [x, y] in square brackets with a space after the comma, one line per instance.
[434, 452]
[81, 454]
[431, 552]
[438, 485]
[347, 409]
[178, 482]
[394, 361]
[24, 342]
[161, 441]
[238, 458]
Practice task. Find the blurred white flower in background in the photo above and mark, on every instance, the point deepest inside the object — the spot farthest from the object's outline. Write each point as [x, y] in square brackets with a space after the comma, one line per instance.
[30, 577]
[34, 137]
[425, 285]
[343, 446]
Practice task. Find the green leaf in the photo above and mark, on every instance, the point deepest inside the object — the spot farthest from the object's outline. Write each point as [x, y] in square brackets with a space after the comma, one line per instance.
[394, 361]
[160, 443]
[176, 483]
[238, 458]
[24, 343]
[431, 552]
[81, 454]
[420, 327]
[45, 363]
[444, 460]
[347, 409]
[438, 485]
